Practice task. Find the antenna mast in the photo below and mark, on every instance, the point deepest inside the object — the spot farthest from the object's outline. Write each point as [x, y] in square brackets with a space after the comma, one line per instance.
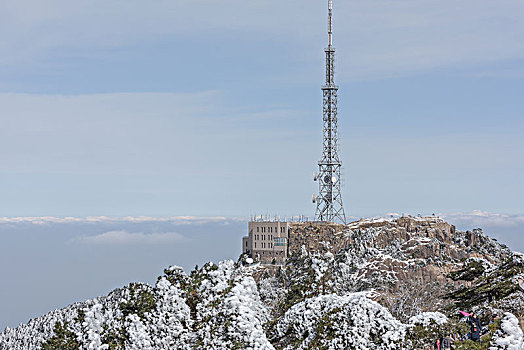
[329, 199]
[330, 29]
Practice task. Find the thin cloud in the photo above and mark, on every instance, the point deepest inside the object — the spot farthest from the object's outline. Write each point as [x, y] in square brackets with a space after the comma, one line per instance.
[128, 238]
[386, 38]
[479, 218]
[45, 220]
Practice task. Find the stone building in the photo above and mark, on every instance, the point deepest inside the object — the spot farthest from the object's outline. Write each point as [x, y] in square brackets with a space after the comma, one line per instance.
[267, 240]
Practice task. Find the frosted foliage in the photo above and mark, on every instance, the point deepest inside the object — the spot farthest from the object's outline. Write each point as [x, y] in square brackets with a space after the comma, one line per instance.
[29, 336]
[353, 321]
[138, 336]
[172, 315]
[270, 292]
[510, 337]
[239, 319]
[426, 318]
[93, 326]
[248, 314]
[320, 266]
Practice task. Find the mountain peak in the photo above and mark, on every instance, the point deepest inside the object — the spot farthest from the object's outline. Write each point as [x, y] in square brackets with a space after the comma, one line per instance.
[379, 283]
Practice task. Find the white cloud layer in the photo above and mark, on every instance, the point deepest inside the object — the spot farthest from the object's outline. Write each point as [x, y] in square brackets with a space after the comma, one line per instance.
[128, 238]
[44, 220]
[478, 218]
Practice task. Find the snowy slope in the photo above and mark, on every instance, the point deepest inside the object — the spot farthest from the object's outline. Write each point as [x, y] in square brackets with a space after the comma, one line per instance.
[371, 292]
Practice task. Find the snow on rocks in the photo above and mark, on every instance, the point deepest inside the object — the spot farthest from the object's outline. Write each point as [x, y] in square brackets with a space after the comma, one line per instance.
[340, 322]
[510, 337]
[519, 279]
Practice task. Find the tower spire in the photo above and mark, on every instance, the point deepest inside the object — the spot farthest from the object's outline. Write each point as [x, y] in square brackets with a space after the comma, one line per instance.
[329, 199]
[330, 29]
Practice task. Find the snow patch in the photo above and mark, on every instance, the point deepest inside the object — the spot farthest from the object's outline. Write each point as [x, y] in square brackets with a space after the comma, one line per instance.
[426, 318]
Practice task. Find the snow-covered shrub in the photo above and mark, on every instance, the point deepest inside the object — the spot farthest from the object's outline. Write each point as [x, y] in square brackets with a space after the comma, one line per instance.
[62, 339]
[230, 314]
[426, 327]
[427, 318]
[169, 324]
[339, 322]
[510, 336]
[138, 335]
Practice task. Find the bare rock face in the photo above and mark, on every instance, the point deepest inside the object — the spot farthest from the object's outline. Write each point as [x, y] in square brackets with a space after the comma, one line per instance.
[407, 261]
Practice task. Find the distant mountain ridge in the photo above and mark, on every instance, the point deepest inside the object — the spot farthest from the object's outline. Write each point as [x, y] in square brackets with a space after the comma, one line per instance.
[383, 283]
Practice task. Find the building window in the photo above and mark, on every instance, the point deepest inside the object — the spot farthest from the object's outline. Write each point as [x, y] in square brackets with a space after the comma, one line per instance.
[257, 229]
[280, 241]
[255, 244]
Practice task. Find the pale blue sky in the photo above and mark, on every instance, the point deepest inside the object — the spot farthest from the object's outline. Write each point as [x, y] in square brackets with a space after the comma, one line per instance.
[213, 108]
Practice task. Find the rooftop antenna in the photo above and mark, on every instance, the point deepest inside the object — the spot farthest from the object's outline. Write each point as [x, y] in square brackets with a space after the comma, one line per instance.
[329, 199]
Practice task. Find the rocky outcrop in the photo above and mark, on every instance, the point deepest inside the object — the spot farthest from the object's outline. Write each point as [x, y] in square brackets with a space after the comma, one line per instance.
[406, 258]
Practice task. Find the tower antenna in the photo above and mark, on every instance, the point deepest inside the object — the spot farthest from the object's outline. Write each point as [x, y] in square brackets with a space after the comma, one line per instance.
[330, 29]
[329, 199]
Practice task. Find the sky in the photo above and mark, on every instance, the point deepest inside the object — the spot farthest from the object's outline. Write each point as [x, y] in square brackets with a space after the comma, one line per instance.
[209, 109]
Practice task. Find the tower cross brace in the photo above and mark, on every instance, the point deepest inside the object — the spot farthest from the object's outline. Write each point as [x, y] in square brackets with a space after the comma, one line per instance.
[329, 200]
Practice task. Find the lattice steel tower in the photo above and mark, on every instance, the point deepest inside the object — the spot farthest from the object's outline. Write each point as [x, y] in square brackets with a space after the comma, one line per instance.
[329, 199]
